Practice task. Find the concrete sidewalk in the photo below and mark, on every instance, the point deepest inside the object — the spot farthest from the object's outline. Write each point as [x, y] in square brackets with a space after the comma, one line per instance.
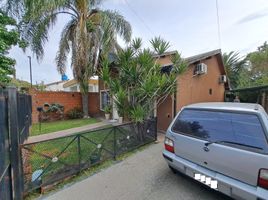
[142, 176]
[64, 133]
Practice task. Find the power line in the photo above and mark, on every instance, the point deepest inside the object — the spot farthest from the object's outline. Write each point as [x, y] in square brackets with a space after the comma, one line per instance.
[218, 23]
[140, 18]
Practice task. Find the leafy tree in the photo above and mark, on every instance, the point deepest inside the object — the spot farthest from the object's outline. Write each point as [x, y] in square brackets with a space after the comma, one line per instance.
[244, 79]
[9, 36]
[255, 70]
[259, 65]
[89, 33]
[234, 64]
[139, 83]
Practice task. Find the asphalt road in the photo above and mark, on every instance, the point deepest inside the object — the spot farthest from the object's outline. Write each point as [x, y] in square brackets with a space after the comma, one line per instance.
[143, 176]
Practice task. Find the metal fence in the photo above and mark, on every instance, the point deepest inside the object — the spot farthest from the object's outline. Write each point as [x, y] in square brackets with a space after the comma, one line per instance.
[24, 116]
[5, 165]
[53, 160]
[15, 119]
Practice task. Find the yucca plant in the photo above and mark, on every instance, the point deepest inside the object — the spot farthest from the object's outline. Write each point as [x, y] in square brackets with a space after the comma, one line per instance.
[140, 78]
[89, 33]
[137, 114]
[120, 99]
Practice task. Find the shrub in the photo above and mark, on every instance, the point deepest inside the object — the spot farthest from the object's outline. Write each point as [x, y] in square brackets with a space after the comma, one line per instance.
[52, 112]
[54, 107]
[75, 113]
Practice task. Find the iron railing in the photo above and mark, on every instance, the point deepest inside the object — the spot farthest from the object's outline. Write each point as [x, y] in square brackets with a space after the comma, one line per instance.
[53, 160]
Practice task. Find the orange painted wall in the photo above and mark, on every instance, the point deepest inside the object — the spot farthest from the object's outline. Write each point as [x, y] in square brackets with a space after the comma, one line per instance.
[194, 89]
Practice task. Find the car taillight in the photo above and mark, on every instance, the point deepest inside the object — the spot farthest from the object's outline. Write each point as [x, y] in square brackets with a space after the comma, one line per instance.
[263, 178]
[169, 145]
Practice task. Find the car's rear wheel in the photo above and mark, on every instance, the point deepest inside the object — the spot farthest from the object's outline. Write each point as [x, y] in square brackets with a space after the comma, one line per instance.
[173, 169]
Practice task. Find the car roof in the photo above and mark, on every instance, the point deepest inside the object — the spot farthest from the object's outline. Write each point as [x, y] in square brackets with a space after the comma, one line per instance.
[230, 106]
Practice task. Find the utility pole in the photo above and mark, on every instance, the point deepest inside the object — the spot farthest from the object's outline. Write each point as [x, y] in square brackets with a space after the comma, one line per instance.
[30, 63]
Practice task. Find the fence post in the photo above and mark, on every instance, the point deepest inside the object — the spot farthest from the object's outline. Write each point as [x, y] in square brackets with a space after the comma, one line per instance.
[15, 155]
[79, 151]
[114, 142]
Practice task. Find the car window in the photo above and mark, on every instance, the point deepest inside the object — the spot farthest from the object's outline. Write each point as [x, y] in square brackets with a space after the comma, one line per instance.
[221, 126]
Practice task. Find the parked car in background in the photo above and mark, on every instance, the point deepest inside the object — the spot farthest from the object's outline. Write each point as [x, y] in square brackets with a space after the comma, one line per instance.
[222, 145]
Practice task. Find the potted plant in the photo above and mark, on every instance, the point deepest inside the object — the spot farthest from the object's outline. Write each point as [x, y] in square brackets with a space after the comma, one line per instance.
[107, 111]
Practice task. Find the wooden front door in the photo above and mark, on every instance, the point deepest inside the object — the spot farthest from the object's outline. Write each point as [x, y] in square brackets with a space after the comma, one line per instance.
[165, 114]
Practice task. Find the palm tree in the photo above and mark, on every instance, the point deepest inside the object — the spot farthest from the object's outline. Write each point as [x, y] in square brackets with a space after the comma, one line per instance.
[234, 64]
[89, 33]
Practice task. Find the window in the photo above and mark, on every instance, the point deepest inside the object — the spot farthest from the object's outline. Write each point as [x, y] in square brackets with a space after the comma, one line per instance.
[166, 69]
[221, 126]
[104, 99]
[73, 89]
[90, 88]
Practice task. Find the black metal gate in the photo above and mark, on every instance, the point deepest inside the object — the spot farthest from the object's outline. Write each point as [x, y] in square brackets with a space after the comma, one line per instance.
[5, 165]
[15, 119]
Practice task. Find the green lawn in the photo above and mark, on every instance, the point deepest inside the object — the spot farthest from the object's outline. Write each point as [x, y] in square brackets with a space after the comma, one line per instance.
[48, 127]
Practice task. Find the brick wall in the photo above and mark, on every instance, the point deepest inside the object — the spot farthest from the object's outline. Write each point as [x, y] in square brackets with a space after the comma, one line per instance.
[68, 99]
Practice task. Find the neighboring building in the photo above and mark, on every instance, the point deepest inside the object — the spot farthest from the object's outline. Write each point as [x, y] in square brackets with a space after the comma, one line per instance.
[204, 81]
[55, 86]
[73, 85]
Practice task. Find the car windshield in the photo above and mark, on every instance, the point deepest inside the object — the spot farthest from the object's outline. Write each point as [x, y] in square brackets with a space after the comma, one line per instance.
[240, 128]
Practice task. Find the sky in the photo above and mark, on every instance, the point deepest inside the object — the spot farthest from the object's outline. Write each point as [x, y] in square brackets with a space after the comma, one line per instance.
[189, 25]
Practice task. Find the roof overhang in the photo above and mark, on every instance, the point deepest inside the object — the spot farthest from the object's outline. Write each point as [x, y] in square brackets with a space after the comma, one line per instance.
[74, 82]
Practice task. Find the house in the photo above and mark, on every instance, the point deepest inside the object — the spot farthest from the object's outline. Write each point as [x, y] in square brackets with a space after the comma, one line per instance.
[204, 81]
[73, 85]
[55, 86]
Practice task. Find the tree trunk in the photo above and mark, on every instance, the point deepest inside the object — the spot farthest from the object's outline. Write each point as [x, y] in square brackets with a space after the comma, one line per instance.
[85, 104]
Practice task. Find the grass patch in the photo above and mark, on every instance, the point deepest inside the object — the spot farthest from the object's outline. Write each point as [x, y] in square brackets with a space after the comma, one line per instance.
[67, 150]
[87, 173]
[48, 127]
[62, 157]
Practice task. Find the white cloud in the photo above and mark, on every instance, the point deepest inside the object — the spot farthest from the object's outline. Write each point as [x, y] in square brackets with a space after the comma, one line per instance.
[254, 16]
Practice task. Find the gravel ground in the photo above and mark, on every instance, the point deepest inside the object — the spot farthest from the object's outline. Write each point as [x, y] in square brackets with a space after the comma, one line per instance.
[143, 176]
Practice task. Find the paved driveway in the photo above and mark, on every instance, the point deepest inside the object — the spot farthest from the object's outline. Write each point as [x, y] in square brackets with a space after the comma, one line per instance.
[143, 176]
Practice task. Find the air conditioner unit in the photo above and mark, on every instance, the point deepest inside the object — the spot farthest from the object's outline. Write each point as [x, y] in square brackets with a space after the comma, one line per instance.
[223, 79]
[201, 68]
